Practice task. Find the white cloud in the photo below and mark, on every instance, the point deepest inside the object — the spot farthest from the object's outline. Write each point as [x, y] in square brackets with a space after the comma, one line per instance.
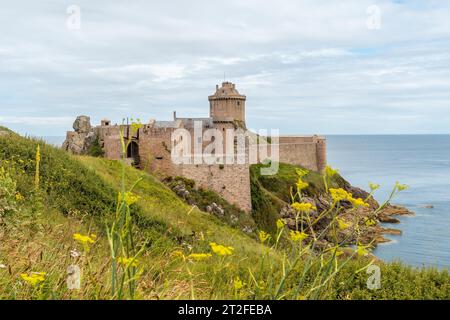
[158, 72]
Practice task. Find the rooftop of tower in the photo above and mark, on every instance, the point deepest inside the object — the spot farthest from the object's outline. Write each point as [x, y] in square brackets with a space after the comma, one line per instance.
[227, 90]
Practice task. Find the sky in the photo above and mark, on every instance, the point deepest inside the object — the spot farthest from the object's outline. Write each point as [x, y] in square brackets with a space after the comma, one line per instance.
[306, 66]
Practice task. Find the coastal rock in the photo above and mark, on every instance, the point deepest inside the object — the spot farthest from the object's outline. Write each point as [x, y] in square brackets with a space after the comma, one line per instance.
[82, 124]
[80, 140]
[323, 202]
[394, 210]
[385, 214]
[381, 239]
[388, 219]
[287, 212]
[391, 231]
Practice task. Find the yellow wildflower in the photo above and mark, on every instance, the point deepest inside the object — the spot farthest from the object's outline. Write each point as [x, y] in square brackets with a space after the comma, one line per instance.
[84, 239]
[301, 184]
[401, 187]
[33, 278]
[342, 224]
[339, 194]
[301, 172]
[297, 235]
[263, 236]
[129, 198]
[362, 250]
[329, 171]
[373, 186]
[238, 284]
[128, 262]
[370, 222]
[261, 285]
[303, 207]
[220, 249]
[280, 224]
[19, 197]
[38, 153]
[199, 256]
[136, 125]
[339, 253]
[358, 202]
[178, 253]
[38, 164]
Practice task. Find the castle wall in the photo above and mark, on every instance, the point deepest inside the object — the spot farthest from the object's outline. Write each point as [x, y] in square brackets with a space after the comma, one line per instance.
[308, 152]
[232, 182]
[109, 138]
[155, 151]
[112, 147]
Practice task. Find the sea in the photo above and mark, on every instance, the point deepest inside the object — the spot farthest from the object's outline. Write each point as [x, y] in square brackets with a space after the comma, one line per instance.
[423, 163]
[420, 161]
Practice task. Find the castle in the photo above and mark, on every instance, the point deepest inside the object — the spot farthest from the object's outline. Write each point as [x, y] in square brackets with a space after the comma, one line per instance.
[150, 147]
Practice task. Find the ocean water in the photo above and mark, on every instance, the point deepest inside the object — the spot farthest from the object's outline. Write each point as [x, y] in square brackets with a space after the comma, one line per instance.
[423, 163]
[420, 161]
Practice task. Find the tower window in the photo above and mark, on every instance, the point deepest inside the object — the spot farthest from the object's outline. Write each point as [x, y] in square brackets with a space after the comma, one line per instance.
[238, 103]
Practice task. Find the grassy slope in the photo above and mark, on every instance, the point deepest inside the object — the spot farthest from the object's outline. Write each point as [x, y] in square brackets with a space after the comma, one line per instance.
[159, 201]
[80, 194]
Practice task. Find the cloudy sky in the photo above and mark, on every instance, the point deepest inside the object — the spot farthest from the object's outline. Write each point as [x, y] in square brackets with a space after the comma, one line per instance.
[306, 66]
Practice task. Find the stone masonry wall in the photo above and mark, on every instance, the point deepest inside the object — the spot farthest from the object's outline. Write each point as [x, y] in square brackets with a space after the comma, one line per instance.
[232, 182]
[109, 137]
[308, 152]
[155, 151]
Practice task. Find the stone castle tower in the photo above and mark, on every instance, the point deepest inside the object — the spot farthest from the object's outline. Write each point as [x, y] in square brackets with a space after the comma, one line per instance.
[227, 104]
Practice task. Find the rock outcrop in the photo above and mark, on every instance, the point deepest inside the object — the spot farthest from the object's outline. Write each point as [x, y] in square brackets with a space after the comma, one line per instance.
[369, 232]
[80, 140]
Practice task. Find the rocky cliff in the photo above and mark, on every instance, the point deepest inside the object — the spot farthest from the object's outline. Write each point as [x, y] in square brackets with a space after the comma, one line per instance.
[82, 138]
[271, 199]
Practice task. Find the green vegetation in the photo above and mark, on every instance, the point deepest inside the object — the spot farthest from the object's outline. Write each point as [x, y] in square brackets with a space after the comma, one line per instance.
[271, 193]
[187, 251]
[95, 150]
[280, 185]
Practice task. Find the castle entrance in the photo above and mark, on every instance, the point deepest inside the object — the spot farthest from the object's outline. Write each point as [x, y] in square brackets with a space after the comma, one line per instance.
[133, 153]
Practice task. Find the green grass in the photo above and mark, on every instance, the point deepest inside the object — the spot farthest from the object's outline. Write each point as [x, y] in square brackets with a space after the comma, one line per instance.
[79, 195]
[281, 183]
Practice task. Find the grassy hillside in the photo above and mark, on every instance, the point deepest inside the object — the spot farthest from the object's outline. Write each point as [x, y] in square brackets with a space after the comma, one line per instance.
[79, 195]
